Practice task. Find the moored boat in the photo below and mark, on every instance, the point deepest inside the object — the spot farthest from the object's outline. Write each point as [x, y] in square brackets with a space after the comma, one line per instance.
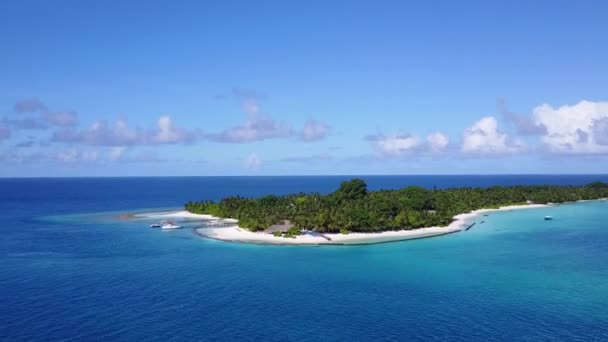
[169, 225]
[165, 225]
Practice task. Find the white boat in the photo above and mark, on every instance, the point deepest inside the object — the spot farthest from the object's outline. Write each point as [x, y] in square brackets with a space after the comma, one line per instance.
[169, 225]
[159, 224]
[547, 218]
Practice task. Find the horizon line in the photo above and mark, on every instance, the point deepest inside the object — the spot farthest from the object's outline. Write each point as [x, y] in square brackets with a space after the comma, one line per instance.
[315, 175]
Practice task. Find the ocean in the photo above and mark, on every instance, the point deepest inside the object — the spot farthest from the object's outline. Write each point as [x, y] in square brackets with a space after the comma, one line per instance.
[73, 270]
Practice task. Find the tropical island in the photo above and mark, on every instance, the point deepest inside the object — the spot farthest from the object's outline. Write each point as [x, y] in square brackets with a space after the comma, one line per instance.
[410, 212]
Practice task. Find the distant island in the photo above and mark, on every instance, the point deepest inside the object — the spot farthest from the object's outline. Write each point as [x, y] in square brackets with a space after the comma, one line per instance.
[354, 209]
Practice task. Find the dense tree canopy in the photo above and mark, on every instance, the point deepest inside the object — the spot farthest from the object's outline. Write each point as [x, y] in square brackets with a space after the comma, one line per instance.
[351, 190]
[353, 208]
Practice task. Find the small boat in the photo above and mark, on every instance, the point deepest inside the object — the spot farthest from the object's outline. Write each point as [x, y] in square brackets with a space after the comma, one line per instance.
[547, 218]
[159, 224]
[169, 225]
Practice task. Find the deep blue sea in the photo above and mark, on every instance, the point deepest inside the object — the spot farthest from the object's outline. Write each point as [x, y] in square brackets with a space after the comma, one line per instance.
[71, 269]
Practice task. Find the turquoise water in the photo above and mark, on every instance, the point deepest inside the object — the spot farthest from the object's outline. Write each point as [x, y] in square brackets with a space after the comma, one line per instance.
[67, 275]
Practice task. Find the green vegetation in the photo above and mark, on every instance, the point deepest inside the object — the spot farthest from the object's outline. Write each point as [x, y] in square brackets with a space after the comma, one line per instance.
[292, 232]
[352, 208]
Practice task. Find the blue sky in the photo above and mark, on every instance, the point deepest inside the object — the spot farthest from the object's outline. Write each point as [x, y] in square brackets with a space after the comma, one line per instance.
[125, 88]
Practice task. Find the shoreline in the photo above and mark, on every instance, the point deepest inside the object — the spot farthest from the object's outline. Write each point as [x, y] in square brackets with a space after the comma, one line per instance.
[183, 214]
[234, 233]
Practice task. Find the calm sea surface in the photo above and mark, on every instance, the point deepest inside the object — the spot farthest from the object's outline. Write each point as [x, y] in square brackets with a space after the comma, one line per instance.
[72, 270]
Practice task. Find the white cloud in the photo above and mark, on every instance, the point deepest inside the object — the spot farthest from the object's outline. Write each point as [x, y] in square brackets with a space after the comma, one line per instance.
[579, 128]
[45, 115]
[484, 137]
[437, 141]
[523, 123]
[257, 128]
[120, 134]
[314, 130]
[169, 134]
[394, 145]
[253, 161]
[100, 133]
[600, 131]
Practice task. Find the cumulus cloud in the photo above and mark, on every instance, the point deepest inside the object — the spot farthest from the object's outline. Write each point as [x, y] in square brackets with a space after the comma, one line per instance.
[100, 133]
[259, 127]
[400, 144]
[394, 145]
[580, 128]
[256, 128]
[600, 131]
[523, 124]
[77, 156]
[437, 141]
[43, 117]
[314, 130]
[253, 162]
[120, 134]
[168, 133]
[484, 137]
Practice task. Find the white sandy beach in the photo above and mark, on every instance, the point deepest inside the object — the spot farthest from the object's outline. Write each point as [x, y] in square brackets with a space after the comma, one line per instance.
[183, 214]
[237, 234]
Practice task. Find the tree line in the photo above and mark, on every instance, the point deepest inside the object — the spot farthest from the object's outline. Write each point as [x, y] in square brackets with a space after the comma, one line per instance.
[353, 208]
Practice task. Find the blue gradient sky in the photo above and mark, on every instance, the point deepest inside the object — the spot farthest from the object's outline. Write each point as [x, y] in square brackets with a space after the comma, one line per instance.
[273, 87]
